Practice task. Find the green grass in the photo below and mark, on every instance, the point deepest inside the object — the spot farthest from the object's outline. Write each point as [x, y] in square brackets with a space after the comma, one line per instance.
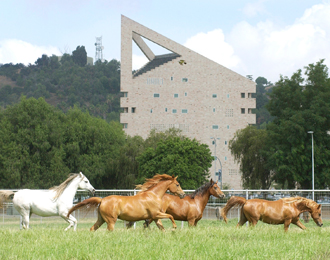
[210, 240]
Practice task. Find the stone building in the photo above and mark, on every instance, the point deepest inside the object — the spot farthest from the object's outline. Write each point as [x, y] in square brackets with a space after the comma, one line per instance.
[185, 90]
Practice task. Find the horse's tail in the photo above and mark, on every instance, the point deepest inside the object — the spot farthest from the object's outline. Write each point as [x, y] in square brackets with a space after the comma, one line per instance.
[5, 195]
[233, 201]
[90, 203]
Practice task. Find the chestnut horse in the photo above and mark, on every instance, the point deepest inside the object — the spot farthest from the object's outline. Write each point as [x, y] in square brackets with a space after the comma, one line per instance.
[283, 211]
[144, 205]
[191, 207]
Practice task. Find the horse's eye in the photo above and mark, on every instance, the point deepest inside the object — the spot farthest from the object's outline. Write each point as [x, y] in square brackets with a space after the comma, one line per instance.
[86, 181]
[320, 215]
[215, 188]
[177, 185]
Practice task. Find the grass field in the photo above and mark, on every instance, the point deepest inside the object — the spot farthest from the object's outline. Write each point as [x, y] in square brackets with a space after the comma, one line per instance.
[210, 240]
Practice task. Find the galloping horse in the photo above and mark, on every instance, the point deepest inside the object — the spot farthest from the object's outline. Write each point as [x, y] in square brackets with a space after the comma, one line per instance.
[144, 205]
[191, 207]
[283, 211]
[53, 202]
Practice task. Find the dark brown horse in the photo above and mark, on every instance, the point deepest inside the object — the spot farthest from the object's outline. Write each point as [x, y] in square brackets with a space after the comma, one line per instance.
[191, 207]
[283, 211]
[144, 205]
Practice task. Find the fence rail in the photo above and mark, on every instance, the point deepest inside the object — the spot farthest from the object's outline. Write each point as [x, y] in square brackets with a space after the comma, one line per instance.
[9, 213]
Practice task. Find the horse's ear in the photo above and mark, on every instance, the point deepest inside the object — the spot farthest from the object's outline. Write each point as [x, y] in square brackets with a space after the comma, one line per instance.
[319, 206]
[81, 175]
[211, 181]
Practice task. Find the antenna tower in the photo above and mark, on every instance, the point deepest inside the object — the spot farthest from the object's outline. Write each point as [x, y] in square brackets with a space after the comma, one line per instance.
[98, 49]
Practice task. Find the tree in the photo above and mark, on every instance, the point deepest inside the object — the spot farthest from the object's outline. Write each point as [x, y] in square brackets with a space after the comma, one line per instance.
[179, 156]
[40, 145]
[300, 106]
[79, 56]
[247, 147]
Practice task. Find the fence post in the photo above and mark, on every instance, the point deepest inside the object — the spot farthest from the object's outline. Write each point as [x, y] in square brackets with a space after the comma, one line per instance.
[135, 221]
[247, 197]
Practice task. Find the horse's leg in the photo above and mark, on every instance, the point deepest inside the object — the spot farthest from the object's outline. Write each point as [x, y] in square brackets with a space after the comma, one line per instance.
[299, 224]
[71, 220]
[191, 222]
[287, 223]
[111, 223]
[242, 219]
[161, 215]
[99, 222]
[130, 224]
[160, 225]
[25, 213]
[147, 223]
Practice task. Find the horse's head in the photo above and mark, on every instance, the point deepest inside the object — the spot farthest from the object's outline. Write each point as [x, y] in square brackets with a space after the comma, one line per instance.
[176, 189]
[316, 215]
[84, 184]
[215, 190]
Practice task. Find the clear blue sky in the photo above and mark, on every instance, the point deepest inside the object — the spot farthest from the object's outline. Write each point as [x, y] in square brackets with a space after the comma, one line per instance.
[256, 37]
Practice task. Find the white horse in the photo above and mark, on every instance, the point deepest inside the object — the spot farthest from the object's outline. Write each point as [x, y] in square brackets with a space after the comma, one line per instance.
[53, 202]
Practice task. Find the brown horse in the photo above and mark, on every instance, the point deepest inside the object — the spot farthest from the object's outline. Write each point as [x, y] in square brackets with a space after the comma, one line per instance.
[144, 205]
[191, 207]
[283, 211]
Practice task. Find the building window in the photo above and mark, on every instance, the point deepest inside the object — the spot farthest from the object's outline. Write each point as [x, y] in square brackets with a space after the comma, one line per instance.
[150, 110]
[171, 78]
[227, 95]
[251, 111]
[242, 110]
[176, 95]
[125, 125]
[213, 109]
[251, 95]
[229, 112]
[174, 111]
[184, 80]
[184, 111]
[156, 94]
[215, 127]
[214, 95]
[185, 94]
[154, 81]
[165, 109]
[242, 95]
[133, 109]
[225, 158]
[227, 126]
[125, 109]
[125, 94]
[225, 142]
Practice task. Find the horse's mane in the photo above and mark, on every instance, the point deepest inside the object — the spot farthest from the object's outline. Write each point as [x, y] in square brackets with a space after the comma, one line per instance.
[307, 202]
[60, 188]
[201, 190]
[153, 182]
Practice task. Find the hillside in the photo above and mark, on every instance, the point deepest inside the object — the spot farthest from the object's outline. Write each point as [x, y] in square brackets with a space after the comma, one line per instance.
[95, 89]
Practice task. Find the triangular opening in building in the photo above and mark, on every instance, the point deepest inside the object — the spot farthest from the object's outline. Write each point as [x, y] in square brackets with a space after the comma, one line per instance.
[148, 55]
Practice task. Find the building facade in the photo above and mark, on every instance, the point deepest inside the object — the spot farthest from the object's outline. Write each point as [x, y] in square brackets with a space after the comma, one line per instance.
[185, 90]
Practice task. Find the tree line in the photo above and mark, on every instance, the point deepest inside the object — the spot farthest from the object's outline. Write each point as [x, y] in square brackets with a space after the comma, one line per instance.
[281, 151]
[40, 145]
[66, 81]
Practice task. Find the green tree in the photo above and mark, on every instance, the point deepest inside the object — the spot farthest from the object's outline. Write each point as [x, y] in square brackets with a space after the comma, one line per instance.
[40, 145]
[179, 156]
[300, 106]
[79, 56]
[247, 147]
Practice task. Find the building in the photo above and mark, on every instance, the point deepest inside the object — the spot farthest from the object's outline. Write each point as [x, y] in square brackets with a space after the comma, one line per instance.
[186, 90]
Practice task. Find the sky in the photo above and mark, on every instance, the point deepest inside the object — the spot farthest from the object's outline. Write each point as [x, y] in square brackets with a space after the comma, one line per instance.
[266, 38]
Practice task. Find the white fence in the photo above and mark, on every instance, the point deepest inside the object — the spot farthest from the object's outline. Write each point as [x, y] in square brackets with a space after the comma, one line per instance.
[9, 214]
